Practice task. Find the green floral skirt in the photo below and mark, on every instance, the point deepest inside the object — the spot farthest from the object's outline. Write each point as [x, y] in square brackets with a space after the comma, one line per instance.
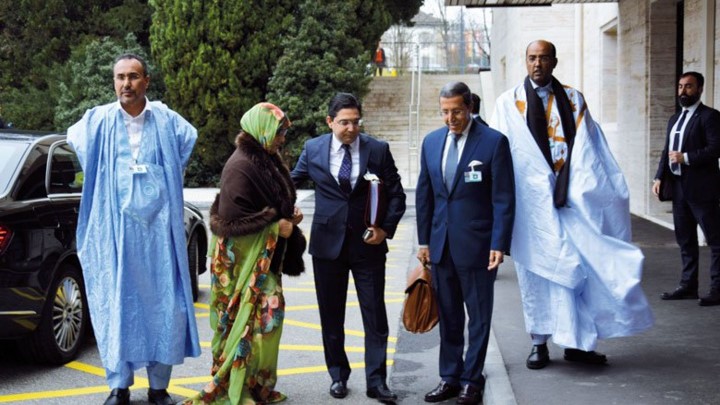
[247, 309]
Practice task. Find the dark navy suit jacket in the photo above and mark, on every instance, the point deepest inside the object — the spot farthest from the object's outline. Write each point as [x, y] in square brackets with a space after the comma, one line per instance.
[700, 179]
[473, 217]
[338, 215]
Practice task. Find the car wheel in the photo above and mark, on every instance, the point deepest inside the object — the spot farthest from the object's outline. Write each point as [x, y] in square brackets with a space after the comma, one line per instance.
[65, 319]
[194, 264]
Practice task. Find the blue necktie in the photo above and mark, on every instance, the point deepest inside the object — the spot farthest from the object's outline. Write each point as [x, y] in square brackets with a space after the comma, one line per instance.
[674, 167]
[451, 161]
[544, 95]
[345, 170]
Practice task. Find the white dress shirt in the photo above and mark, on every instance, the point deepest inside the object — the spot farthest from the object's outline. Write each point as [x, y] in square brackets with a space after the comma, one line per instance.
[681, 131]
[460, 144]
[134, 126]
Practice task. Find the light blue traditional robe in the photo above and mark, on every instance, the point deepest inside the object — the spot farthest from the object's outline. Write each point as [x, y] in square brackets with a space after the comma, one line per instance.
[131, 238]
[579, 275]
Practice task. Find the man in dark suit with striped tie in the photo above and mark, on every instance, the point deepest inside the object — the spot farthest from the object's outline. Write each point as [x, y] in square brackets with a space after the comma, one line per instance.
[689, 163]
[341, 164]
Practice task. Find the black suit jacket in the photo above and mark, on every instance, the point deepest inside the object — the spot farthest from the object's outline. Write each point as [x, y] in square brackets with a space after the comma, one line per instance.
[700, 180]
[339, 216]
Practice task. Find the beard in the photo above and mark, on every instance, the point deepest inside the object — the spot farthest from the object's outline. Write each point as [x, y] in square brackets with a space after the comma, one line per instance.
[687, 101]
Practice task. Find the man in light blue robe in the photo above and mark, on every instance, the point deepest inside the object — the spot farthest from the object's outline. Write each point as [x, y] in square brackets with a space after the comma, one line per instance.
[579, 275]
[131, 238]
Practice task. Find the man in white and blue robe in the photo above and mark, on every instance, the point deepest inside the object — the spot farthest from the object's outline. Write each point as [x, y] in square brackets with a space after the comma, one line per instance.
[579, 275]
[131, 238]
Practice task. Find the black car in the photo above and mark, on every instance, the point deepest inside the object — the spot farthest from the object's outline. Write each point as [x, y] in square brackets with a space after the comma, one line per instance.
[42, 295]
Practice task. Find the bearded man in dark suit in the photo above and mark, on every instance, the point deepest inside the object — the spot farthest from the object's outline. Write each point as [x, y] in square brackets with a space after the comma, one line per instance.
[689, 168]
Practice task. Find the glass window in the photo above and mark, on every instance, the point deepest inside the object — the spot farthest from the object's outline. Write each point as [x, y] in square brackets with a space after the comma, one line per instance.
[10, 155]
[66, 175]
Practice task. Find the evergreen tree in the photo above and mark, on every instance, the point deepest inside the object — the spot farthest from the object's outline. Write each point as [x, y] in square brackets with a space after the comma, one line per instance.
[216, 58]
[320, 59]
[38, 36]
[329, 52]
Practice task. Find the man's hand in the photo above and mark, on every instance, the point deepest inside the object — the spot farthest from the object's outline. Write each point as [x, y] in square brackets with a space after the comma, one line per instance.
[656, 187]
[297, 216]
[286, 228]
[378, 235]
[676, 157]
[496, 257]
[423, 255]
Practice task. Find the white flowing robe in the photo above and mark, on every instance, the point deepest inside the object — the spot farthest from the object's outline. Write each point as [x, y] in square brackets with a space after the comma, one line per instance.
[131, 238]
[579, 275]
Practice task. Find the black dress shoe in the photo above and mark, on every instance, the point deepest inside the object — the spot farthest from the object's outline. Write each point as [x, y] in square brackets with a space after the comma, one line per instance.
[711, 299]
[382, 393]
[591, 357]
[539, 357]
[338, 389]
[470, 395]
[442, 392]
[118, 396]
[159, 397]
[680, 293]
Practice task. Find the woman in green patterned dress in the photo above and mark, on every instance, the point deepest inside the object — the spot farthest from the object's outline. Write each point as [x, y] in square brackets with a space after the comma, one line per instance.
[255, 238]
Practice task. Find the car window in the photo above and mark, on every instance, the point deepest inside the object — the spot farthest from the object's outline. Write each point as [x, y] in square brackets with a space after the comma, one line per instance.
[10, 155]
[66, 175]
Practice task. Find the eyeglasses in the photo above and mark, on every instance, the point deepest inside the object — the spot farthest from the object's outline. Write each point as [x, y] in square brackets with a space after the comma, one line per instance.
[347, 123]
[121, 77]
[544, 59]
[454, 113]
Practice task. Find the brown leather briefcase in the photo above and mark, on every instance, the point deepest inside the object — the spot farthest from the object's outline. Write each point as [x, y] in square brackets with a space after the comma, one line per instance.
[420, 312]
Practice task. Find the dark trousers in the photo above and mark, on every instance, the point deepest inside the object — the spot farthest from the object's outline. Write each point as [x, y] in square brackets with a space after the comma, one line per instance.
[459, 289]
[687, 215]
[331, 284]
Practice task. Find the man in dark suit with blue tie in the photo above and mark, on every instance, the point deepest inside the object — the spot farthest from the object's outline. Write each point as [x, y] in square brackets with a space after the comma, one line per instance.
[341, 164]
[690, 166]
[465, 204]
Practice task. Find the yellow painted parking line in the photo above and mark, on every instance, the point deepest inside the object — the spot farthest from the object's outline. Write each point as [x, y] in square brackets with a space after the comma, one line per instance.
[182, 391]
[29, 396]
[298, 289]
[319, 348]
[100, 389]
[307, 325]
[307, 348]
[316, 326]
[201, 305]
[292, 308]
[141, 383]
[86, 368]
[280, 372]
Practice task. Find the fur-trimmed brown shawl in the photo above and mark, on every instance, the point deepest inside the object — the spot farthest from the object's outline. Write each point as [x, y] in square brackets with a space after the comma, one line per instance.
[255, 191]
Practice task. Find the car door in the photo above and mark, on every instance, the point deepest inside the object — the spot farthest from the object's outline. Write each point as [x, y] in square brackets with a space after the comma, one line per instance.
[64, 183]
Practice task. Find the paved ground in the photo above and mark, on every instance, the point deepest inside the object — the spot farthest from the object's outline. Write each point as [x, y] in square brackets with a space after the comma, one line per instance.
[676, 362]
